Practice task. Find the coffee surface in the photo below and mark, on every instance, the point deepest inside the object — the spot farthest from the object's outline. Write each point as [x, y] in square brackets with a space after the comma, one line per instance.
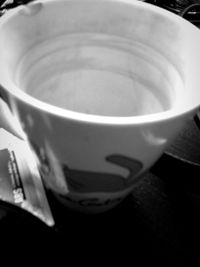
[95, 74]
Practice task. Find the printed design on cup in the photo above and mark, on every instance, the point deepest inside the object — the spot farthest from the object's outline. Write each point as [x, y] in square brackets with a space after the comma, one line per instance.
[100, 181]
[82, 181]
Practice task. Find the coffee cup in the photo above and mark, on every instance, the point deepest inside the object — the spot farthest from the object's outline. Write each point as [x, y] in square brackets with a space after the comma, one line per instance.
[98, 89]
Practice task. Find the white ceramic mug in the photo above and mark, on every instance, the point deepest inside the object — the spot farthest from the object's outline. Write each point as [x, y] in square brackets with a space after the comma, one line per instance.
[100, 88]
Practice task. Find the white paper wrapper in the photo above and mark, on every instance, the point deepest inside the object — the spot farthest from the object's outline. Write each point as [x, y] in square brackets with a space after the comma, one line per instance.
[20, 180]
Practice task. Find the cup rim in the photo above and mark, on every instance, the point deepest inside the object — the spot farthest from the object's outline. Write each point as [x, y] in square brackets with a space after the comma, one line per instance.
[22, 96]
[172, 113]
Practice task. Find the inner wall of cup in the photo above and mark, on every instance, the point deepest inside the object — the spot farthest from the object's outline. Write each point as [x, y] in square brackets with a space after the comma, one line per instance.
[131, 43]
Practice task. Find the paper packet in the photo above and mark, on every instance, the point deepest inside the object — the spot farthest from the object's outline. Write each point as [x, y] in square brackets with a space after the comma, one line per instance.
[20, 179]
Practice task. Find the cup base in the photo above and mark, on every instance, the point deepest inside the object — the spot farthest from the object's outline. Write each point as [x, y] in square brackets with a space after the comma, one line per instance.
[91, 205]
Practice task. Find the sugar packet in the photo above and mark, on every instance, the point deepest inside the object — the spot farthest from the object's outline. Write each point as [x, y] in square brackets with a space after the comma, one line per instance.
[20, 179]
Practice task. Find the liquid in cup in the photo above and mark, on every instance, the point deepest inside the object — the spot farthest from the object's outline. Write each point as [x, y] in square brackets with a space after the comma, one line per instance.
[96, 74]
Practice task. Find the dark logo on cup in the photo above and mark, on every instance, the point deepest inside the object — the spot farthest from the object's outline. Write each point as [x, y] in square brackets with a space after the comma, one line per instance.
[82, 181]
[89, 181]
